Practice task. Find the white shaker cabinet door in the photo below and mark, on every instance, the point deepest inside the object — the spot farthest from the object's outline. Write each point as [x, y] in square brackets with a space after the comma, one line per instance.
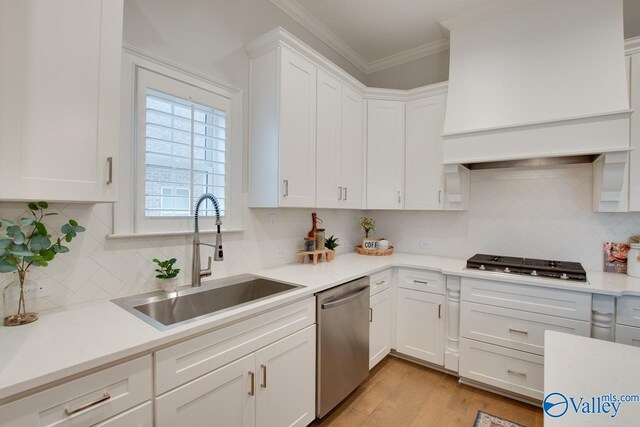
[329, 190]
[59, 98]
[286, 381]
[352, 138]
[222, 398]
[297, 131]
[424, 184]
[385, 154]
[420, 327]
[634, 162]
[380, 331]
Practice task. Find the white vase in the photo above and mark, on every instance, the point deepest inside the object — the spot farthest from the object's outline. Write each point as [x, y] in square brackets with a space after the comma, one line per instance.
[168, 285]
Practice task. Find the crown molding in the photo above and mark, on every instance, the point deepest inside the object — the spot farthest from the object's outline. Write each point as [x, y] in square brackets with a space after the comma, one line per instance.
[311, 23]
[408, 55]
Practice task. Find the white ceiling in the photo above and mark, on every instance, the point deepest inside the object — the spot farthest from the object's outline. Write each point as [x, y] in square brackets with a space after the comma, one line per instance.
[378, 34]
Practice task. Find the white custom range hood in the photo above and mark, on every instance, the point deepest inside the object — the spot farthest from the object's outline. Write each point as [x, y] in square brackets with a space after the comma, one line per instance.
[536, 78]
[540, 79]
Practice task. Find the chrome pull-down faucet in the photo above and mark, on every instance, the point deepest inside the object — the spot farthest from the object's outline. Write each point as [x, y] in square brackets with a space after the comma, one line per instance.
[196, 272]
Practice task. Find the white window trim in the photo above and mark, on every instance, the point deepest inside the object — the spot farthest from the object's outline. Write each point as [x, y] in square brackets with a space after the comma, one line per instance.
[133, 60]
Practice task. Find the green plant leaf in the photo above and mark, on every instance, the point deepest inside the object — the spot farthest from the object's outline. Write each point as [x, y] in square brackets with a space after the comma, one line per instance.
[4, 242]
[73, 222]
[26, 221]
[21, 253]
[68, 238]
[59, 249]
[40, 242]
[47, 254]
[66, 229]
[32, 206]
[43, 205]
[19, 238]
[40, 227]
[6, 267]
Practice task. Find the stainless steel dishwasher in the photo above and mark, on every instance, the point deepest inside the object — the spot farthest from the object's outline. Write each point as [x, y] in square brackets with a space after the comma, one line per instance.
[343, 342]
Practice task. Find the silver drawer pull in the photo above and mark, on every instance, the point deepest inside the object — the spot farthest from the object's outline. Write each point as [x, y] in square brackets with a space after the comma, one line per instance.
[518, 331]
[422, 282]
[381, 282]
[286, 188]
[520, 374]
[264, 376]
[339, 193]
[110, 170]
[105, 396]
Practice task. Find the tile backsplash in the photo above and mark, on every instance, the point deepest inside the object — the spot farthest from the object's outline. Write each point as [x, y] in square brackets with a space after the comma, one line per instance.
[98, 268]
[543, 213]
[536, 213]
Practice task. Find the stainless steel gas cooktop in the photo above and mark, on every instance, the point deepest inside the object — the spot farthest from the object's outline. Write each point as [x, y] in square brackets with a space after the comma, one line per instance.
[529, 266]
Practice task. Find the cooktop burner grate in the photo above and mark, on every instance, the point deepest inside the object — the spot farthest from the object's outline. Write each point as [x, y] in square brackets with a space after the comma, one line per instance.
[529, 266]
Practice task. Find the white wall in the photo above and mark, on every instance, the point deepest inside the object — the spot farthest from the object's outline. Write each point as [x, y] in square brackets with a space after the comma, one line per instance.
[417, 73]
[530, 213]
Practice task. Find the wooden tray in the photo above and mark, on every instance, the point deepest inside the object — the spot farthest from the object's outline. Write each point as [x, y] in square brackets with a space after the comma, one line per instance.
[316, 255]
[374, 252]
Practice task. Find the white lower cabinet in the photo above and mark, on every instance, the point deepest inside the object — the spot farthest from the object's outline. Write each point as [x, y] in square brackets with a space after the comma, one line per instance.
[140, 416]
[274, 386]
[220, 398]
[380, 327]
[502, 329]
[87, 401]
[420, 325]
[628, 335]
[508, 369]
[286, 381]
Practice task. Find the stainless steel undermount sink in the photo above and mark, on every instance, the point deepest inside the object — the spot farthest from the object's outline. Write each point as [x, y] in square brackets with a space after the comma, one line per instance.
[167, 310]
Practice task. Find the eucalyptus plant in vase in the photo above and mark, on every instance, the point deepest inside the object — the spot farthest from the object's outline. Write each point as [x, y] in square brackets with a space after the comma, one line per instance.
[26, 244]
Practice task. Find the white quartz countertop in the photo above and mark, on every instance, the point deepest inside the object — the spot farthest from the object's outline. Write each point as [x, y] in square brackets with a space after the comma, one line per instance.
[69, 341]
[580, 371]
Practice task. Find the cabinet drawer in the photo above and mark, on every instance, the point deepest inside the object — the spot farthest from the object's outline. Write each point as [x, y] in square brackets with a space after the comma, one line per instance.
[140, 416]
[554, 302]
[421, 280]
[515, 329]
[628, 335]
[380, 281]
[191, 359]
[628, 311]
[126, 386]
[511, 370]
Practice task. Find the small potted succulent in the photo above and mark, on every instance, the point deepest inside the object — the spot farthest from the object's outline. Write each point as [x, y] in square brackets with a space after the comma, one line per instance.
[331, 243]
[167, 277]
[26, 243]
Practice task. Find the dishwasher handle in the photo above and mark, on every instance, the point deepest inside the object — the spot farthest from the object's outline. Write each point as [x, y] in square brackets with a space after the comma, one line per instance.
[344, 300]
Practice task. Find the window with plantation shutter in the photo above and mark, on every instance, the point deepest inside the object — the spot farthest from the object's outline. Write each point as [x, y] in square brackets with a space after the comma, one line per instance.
[184, 155]
[182, 136]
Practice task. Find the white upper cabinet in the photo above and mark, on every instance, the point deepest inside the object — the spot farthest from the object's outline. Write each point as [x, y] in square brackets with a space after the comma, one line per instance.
[59, 99]
[340, 150]
[385, 154]
[282, 161]
[424, 186]
[297, 130]
[352, 137]
[634, 162]
[329, 192]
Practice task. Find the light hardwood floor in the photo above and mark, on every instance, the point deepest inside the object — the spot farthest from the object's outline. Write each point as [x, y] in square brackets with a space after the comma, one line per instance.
[400, 393]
